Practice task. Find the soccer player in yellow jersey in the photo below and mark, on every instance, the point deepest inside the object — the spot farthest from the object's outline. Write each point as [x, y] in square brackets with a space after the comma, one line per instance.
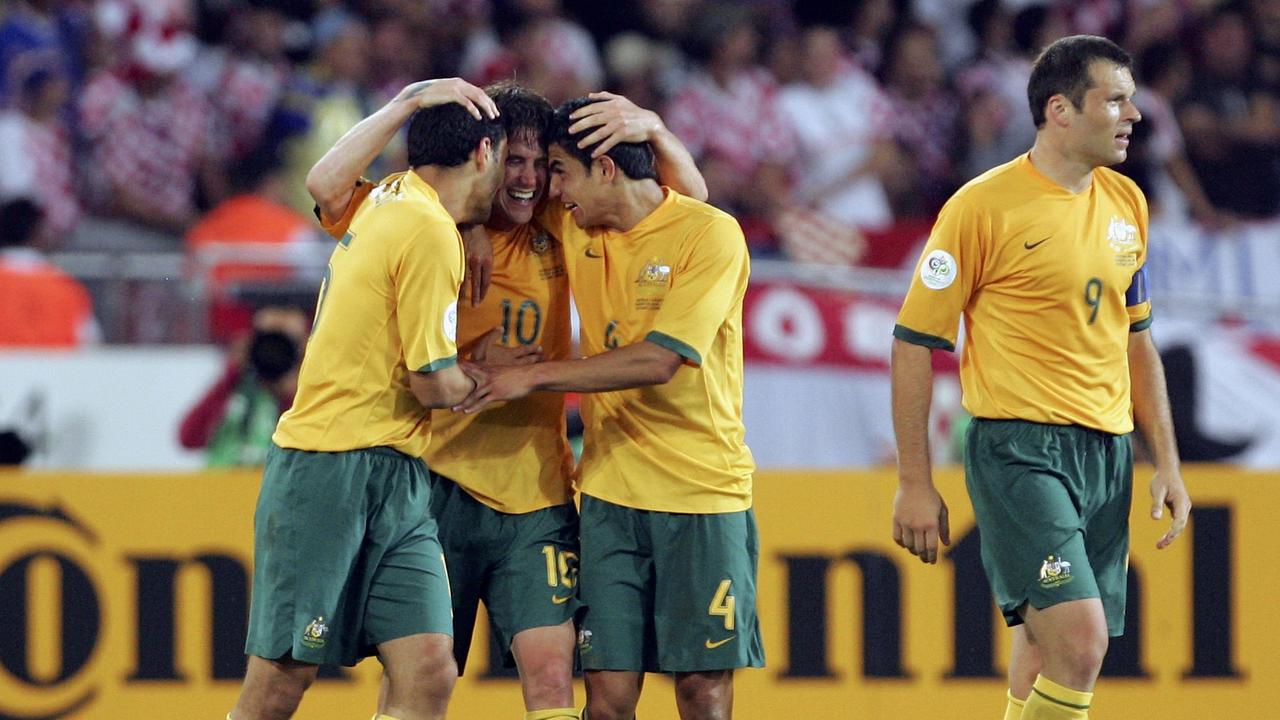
[1043, 257]
[502, 492]
[669, 545]
[346, 558]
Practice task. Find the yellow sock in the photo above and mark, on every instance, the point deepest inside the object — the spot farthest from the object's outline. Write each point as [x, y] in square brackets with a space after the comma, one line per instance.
[566, 713]
[1051, 701]
[380, 716]
[1013, 711]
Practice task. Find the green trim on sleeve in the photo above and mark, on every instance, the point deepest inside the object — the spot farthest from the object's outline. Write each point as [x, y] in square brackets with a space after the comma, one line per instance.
[1141, 325]
[906, 334]
[440, 364]
[675, 346]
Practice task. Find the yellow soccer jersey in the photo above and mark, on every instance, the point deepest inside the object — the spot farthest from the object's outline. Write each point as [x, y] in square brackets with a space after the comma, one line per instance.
[1050, 284]
[387, 307]
[515, 457]
[676, 279]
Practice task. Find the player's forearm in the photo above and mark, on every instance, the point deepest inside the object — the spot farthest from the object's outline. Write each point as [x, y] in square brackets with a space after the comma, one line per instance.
[1151, 399]
[636, 365]
[332, 178]
[912, 391]
[676, 168]
[443, 388]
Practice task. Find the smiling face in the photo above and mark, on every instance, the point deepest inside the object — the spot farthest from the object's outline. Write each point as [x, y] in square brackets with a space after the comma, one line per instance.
[1098, 132]
[579, 189]
[524, 182]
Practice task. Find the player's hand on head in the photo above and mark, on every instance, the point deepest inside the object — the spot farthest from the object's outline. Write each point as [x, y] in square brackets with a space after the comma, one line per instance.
[616, 120]
[429, 93]
[1168, 490]
[921, 521]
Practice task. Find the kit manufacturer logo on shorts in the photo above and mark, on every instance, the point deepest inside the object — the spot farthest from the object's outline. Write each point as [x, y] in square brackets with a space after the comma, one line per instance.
[1055, 572]
[938, 270]
[315, 633]
[584, 640]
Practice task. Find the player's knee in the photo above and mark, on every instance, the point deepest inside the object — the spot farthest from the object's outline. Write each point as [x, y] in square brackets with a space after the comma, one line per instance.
[611, 706]
[549, 683]
[432, 674]
[285, 695]
[708, 695]
[1084, 651]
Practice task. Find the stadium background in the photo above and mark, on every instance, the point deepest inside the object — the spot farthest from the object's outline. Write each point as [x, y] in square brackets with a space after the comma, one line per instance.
[831, 132]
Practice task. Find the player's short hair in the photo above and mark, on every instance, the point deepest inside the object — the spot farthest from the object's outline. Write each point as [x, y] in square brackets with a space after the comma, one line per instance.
[1063, 69]
[446, 135]
[523, 111]
[635, 160]
[20, 218]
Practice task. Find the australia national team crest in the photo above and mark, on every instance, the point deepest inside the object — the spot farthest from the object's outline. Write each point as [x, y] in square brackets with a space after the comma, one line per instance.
[541, 244]
[315, 633]
[656, 273]
[1055, 572]
[1123, 238]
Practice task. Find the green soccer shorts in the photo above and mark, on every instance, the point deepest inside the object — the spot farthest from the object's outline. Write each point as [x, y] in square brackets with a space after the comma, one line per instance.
[345, 556]
[524, 567]
[1052, 505]
[668, 592]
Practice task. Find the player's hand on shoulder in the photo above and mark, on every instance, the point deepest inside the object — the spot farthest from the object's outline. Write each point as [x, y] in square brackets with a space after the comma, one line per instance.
[479, 275]
[1169, 491]
[920, 520]
[429, 93]
[616, 120]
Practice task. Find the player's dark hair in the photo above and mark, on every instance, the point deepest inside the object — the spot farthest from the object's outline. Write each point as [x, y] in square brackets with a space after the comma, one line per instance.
[635, 160]
[1063, 69]
[19, 220]
[446, 135]
[524, 112]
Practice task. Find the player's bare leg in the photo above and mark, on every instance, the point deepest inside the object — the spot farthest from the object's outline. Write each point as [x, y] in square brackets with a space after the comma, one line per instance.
[544, 657]
[273, 688]
[1072, 639]
[613, 694]
[705, 695]
[419, 671]
[1024, 662]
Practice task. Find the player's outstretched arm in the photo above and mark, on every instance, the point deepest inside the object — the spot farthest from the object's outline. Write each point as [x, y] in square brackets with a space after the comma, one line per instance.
[445, 387]
[636, 365]
[616, 119]
[920, 518]
[1151, 410]
[333, 177]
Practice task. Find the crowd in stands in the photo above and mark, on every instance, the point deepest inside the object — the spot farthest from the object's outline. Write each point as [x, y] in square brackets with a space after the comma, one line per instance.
[829, 129]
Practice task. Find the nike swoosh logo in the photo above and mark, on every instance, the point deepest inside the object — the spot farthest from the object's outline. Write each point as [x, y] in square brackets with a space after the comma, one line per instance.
[592, 255]
[1034, 245]
[560, 600]
[713, 645]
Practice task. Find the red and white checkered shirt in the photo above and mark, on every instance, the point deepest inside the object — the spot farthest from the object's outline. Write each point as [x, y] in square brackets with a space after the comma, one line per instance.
[739, 123]
[153, 144]
[36, 163]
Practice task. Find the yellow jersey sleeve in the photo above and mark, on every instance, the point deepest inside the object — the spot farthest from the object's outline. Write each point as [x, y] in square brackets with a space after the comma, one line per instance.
[705, 286]
[339, 227]
[428, 274]
[948, 273]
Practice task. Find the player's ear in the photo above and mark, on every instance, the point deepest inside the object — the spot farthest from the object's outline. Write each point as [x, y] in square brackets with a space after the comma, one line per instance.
[608, 168]
[483, 154]
[1058, 109]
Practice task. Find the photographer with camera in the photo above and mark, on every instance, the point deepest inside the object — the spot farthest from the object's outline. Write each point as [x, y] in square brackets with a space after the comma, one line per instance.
[234, 420]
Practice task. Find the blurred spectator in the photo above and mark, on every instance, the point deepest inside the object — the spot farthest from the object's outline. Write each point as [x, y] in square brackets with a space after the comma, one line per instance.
[555, 54]
[925, 121]
[1157, 158]
[727, 114]
[1232, 121]
[255, 219]
[993, 87]
[40, 305]
[234, 420]
[1264, 16]
[148, 128]
[842, 121]
[50, 29]
[326, 99]
[36, 161]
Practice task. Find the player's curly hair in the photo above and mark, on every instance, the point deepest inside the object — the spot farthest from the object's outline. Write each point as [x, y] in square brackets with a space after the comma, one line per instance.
[446, 135]
[636, 160]
[523, 111]
[1063, 69]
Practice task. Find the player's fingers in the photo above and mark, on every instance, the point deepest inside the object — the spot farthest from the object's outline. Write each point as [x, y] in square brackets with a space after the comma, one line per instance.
[1157, 502]
[897, 533]
[482, 101]
[602, 95]
[1179, 524]
[944, 526]
[486, 280]
[930, 547]
[587, 111]
[607, 144]
[908, 540]
[599, 134]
